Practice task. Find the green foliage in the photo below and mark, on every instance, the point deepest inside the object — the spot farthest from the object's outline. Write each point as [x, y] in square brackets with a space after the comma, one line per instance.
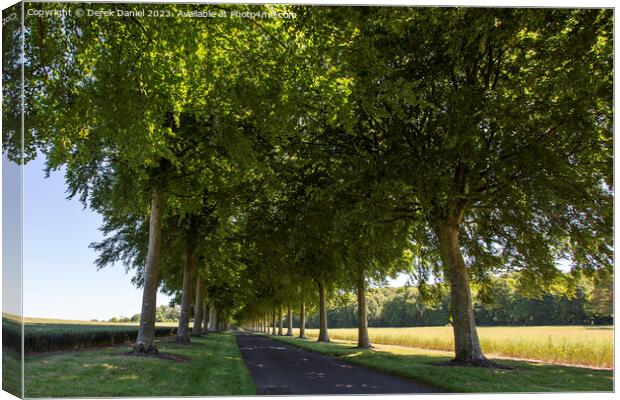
[600, 298]
[167, 314]
[12, 135]
[501, 128]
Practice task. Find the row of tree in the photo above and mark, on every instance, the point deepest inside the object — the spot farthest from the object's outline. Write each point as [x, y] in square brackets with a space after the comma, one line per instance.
[257, 165]
[590, 304]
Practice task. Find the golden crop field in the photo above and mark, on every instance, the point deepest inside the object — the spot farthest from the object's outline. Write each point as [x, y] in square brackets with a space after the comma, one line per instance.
[577, 345]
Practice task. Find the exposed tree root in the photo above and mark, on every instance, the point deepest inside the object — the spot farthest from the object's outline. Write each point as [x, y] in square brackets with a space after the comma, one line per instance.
[182, 340]
[141, 350]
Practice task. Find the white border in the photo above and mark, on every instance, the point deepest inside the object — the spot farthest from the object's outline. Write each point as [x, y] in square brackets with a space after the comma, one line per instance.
[471, 3]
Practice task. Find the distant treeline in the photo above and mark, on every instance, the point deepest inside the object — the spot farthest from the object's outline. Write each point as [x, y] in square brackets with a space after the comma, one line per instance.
[162, 314]
[503, 304]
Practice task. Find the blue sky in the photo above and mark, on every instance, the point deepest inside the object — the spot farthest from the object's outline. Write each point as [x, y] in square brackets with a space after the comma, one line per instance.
[60, 278]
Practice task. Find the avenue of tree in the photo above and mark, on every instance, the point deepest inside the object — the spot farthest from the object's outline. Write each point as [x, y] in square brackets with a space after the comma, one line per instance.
[255, 167]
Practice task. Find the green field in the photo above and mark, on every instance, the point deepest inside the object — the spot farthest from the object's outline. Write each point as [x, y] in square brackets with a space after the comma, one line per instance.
[212, 366]
[421, 365]
[44, 335]
[574, 345]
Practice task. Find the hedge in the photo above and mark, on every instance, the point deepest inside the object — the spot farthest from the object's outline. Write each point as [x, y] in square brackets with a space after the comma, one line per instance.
[54, 337]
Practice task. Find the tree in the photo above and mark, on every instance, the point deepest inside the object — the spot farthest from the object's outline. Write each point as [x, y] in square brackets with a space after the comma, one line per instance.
[199, 308]
[600, 299]
[497, 137]
[115, 125]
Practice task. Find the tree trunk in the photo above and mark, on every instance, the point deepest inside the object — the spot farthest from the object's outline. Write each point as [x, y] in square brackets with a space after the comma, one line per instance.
[363, 340]
[205, 315]
[466, 344]
[199, 306]
[323, 334]
[220, 324]
[289, 317]
[186, 296]
[302, 316]
[280, 319]
[146, 333]
[212, 318]
[273, 321]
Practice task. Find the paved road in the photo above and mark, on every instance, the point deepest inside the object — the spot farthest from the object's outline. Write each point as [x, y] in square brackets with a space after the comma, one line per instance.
[278, 368]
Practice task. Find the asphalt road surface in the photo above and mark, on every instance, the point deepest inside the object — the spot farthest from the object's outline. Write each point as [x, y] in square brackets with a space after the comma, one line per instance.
[282, 369]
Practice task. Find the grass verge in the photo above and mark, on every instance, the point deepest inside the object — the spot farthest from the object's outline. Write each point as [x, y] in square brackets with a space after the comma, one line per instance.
[214, 367]
[417, 364]
[11, 372]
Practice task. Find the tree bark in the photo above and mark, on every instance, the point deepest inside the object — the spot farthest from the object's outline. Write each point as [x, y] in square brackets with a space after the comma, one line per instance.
[280, 319]
[146, 333]
[205, 315]
[222, 321]
[289, 316]
[466, 343]
[212, 318]
[273, 321]
[323, 334]
[199, 306]
[186, 296]
[363, 340]
[302, 316]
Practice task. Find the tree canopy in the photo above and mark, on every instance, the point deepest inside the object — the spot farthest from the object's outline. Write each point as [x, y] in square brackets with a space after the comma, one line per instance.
[277, 161]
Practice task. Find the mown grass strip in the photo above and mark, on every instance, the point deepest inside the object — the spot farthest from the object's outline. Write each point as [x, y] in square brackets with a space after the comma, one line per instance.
[11, 372]
[214, 367]
[420, 366]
